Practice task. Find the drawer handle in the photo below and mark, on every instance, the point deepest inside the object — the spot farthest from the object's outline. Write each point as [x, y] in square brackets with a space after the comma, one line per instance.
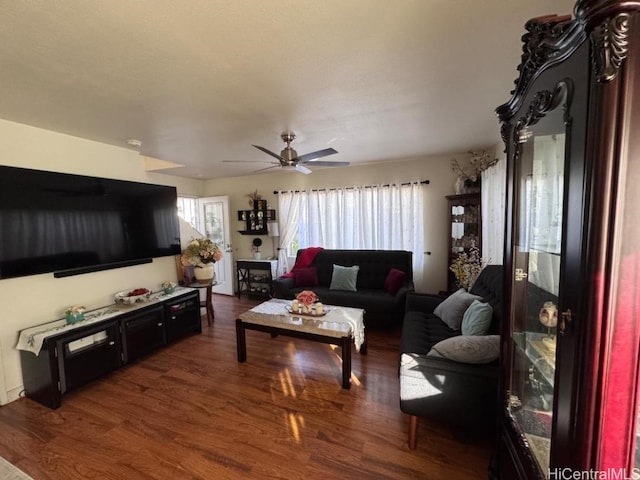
[112, 343]
[160, 324]
[173, 318]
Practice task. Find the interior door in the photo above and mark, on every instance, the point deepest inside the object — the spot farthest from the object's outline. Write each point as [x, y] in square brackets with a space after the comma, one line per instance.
[214, 224]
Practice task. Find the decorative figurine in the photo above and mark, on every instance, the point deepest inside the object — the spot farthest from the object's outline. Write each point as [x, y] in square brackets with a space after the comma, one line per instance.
[549, 318]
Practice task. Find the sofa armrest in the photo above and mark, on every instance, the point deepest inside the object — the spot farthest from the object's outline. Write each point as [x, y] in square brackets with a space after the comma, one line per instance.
[422, 302]
[282, 287]
[401, 294]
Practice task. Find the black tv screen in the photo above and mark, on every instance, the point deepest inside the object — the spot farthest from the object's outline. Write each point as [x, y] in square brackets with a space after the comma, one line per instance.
[70, 224]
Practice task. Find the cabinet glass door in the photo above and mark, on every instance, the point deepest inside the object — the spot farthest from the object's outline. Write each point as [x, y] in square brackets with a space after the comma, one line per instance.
[464, 215]
[464, 227]
[536, 260]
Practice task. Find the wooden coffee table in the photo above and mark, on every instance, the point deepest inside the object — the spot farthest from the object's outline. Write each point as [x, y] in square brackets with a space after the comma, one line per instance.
[339, 326]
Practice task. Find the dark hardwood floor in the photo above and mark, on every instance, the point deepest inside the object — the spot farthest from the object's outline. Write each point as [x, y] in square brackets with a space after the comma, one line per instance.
[192, 411]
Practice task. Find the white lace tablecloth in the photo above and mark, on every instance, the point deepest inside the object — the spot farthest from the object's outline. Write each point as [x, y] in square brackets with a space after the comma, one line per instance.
[354, 317]
[31, 339]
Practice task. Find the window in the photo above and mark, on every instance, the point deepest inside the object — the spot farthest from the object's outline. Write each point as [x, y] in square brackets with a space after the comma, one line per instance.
[188, 209]
[388, 217]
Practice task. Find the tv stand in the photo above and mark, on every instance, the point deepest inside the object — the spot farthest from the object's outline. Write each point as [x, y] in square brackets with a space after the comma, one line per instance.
[72, 355]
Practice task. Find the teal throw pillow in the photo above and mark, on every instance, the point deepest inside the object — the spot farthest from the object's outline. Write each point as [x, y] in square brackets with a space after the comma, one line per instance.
[344, 278]
[477, 319]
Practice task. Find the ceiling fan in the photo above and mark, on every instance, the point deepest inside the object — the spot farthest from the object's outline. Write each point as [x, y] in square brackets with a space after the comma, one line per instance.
[290, 159]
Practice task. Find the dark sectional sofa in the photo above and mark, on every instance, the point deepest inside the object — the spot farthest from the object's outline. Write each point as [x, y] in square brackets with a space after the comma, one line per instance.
[382, 309]
[461, 394]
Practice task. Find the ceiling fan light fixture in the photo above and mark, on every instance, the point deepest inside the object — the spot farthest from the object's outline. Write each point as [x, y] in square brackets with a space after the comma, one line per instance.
[290, 160]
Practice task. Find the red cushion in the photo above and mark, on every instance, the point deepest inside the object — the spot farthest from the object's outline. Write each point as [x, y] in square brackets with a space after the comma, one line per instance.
[305, 277]
[395, 280]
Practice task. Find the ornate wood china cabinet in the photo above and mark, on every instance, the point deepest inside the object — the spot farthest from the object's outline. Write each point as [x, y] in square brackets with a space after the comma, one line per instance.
[571, 335]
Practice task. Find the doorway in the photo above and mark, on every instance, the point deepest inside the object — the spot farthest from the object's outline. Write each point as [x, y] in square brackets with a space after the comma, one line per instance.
[213, 222]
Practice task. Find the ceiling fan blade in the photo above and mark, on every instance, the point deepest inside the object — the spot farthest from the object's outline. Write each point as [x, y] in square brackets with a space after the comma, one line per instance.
[269, 152]
[249, 161]
[319, 154]
[303, 169]
[275, 165]
[322, 163]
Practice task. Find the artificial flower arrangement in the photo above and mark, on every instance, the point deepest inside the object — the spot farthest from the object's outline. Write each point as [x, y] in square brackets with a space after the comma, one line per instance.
[307, 298]
[168, 286]
[467, 266]
[75, 313]
[201, 251]
[75, 310]
[304, 303]
[478, 163]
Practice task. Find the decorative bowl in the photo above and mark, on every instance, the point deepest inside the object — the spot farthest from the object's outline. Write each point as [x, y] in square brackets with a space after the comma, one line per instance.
[168, 290]
[74, 317]
[129, 297]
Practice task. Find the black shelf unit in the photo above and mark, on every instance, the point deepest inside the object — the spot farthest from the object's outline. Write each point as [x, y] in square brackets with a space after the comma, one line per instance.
[254, 278]
[255, 220]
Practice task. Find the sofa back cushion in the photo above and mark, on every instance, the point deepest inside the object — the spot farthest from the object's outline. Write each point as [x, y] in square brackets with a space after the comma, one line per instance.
[488, 285]
[374, 265]
[305, 277]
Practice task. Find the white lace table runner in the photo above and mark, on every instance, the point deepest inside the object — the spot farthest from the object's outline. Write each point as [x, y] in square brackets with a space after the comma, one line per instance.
[354, 317]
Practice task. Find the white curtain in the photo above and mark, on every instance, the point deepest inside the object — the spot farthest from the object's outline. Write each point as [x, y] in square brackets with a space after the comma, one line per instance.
[289, 210]
[494, 184]
[377, 218]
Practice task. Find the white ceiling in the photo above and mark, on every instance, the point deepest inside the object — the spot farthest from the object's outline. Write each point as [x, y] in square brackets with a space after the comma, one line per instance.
[200, 81]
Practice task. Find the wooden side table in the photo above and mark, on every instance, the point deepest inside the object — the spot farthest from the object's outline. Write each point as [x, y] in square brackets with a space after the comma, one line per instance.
[207, 304]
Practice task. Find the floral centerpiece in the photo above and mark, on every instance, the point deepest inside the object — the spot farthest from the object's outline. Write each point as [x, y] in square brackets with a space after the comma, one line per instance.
[306, 299]
[467, 266]
[202, 253]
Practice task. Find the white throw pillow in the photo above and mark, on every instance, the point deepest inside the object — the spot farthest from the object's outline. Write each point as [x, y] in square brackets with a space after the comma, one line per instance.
[452, 308]
[468, 348]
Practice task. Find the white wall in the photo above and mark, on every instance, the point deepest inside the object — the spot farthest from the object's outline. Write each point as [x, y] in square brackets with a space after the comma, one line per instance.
[435, 169]
[29, 301]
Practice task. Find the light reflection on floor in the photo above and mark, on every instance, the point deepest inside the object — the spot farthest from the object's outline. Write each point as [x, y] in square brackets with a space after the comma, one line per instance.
[295, 421]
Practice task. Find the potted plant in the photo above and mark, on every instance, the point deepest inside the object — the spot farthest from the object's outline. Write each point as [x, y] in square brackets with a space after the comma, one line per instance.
[202, 253]
[257, 243]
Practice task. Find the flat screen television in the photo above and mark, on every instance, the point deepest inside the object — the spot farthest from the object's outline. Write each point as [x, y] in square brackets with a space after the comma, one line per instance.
[72, 224]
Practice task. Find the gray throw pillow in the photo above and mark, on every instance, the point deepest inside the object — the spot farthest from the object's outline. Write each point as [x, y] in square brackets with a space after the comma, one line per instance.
[477, 319]
[468, 348]
[452, 309]
[344, 278]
